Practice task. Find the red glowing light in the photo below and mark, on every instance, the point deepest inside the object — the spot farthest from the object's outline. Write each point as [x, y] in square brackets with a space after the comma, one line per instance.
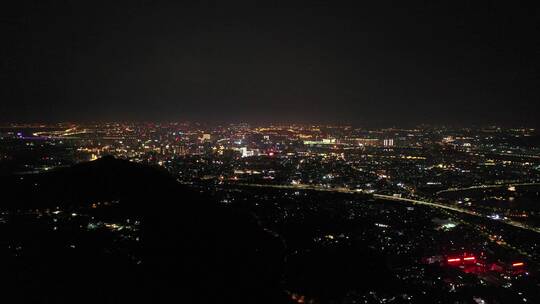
[518, 264]
[469, 258]
[454, 260]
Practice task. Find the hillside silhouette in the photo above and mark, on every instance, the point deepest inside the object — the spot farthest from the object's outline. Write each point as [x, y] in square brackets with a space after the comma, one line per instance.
[188, 249]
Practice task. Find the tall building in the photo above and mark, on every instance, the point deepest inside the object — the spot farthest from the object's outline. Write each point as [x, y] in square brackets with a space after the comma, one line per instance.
[388, 142]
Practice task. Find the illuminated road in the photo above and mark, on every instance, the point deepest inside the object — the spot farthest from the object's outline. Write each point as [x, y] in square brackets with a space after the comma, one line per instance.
[393, 198]
[65, 134]
[437, 205]
[487, 187]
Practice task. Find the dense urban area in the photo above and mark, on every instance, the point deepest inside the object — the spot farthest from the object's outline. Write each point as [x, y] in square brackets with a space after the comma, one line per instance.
[431, 214]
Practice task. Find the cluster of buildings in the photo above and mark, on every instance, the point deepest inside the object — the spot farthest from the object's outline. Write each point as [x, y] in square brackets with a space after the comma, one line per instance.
[291, 176]
[433, 253]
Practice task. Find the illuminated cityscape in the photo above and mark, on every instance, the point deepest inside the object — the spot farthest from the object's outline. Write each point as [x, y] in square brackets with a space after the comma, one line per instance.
[450, 209]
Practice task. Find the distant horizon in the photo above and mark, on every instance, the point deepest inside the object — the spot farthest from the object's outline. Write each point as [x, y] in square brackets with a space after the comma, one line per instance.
[278, 123]
[296, 118]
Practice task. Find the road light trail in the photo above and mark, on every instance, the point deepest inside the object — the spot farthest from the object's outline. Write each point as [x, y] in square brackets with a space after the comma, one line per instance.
[393, 198]
[487, 187]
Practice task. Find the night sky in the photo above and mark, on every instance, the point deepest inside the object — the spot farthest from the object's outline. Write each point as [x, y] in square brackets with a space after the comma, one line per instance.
[470, 62]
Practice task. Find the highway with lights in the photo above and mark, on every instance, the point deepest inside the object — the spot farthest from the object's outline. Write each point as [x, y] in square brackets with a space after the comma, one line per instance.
[394, 198]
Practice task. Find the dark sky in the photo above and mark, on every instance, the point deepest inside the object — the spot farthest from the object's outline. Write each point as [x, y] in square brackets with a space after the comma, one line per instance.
[470, 62]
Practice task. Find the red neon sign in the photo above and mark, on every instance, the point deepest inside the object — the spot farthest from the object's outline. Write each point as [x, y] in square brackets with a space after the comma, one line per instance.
[469, 258]
[454, 260]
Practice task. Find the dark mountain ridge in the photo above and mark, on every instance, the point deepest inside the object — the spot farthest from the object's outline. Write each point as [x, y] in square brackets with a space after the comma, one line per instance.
[190, 250]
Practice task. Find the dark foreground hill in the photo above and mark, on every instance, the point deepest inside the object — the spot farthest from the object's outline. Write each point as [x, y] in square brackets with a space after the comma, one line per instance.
[156, 241]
